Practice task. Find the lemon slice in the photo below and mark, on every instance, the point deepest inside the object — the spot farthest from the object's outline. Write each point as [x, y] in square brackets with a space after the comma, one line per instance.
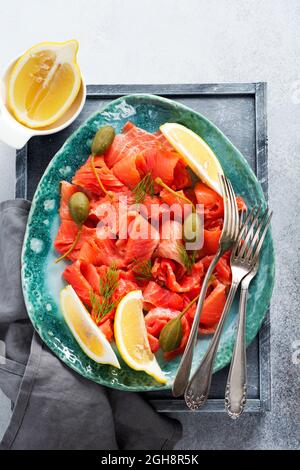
[44, 82]
[195, 152]
[131, 336]
[89, 337]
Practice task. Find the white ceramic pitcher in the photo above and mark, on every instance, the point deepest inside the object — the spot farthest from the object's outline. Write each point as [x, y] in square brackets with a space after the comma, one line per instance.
[16, 134]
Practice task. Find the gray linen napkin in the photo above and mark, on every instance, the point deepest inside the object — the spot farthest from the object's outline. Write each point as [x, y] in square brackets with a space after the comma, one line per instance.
[53, 406]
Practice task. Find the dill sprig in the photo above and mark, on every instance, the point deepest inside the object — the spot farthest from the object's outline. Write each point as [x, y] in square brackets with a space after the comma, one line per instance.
[142, 269]
[101, 307]
[109, 282]
[188, 259]
[144, 187]
[107, 286]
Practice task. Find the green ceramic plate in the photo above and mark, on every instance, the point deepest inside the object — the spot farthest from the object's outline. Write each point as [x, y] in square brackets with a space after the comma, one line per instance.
[42, 279]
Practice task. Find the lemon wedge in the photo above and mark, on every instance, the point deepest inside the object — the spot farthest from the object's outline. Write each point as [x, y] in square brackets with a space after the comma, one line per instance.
[44, 82]
[195, 152]
[131, 336]
[89, 337]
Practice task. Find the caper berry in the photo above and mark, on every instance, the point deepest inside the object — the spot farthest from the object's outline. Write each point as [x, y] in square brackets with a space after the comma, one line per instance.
[171, 335]
[103, 140]
[79, 205]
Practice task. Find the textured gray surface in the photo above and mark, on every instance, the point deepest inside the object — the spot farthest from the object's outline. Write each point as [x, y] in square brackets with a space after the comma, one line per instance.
[200, 41]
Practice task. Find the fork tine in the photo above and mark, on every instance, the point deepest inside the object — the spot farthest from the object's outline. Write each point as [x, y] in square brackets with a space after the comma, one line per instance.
[234, 210]
[242, 218]
[261, 240]
[255, 239]
[243, 228]
[249, 234]
[225, 203]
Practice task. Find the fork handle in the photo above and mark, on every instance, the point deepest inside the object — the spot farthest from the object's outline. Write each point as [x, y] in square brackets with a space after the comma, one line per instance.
[236, 388]
[184, 369]
[198, 388]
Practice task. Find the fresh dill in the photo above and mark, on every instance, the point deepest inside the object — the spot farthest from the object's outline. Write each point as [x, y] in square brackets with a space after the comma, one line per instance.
[144, 187]
[101, 307]
[142, 269]
[104, 303]
[109, 282]
[188, 259]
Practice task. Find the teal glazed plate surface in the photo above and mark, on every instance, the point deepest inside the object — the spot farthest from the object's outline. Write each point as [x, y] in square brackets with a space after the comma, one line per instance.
[42, 279]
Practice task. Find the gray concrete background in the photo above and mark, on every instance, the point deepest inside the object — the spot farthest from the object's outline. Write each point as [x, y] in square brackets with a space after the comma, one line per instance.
[198, 41]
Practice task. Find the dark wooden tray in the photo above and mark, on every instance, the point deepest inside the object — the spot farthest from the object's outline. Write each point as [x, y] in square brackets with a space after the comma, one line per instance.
[239, 110]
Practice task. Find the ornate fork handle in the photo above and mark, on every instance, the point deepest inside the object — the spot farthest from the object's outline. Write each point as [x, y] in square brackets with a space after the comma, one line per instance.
[184, 369]
[236, 388]
[198, 388]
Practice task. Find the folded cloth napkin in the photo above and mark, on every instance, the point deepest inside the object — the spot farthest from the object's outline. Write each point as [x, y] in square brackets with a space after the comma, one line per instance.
[53, 406]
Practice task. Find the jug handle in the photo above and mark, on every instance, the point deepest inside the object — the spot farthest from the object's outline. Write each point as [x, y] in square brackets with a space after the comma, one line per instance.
[12, 132]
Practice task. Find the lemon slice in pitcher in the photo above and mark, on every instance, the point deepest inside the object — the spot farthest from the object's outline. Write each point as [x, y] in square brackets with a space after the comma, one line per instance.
[89, 337]
[131, 336]
[44, 83]
[195, 152]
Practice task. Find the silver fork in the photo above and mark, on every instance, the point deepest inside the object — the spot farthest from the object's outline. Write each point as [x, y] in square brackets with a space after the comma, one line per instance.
[198, 388]
[236, 388]
[227, 240]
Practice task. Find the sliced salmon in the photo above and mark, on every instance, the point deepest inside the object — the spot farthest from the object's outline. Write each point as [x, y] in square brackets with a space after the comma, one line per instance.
[85, 177]
[161, 163]
[66, 236]
[165, 271]
[212, 202]
[157, 296]
[213, 306]
[66, 191]
[107, 250]
[132, 139]
[126, 170]
[182, 177]
[143, 240]
[74, 276]
[157, 317]
[136, 152]
[107, 329]
[211, 236]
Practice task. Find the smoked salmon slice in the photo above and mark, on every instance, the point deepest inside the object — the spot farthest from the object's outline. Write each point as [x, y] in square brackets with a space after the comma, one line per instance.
[74, 276]
[127, 170]
[85, 177]
[165, 271]
[66, 235]
[66, 191]
[157, 296]
[213, 306]
[211, 201]
[143, 239]
[132, 139]
[136, 152]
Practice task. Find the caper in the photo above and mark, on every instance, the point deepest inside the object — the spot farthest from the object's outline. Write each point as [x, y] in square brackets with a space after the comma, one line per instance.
[79, 205]
[192, 228]
[103, 140]
[171, 335]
